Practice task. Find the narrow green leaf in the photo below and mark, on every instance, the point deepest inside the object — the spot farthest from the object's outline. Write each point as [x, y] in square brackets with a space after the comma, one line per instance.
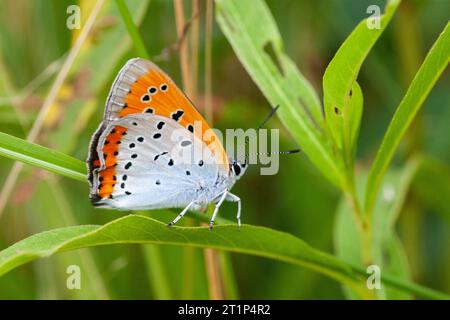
[342, 72]
[252, 32]
[132, 29]
[41, 157]
[252, 240]
[435, 63]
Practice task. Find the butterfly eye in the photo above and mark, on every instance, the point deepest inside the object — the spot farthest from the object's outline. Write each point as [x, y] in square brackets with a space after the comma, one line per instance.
[236, 168]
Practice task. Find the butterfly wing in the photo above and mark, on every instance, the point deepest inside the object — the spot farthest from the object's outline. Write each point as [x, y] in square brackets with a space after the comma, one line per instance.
[147, 162]
[141, 87]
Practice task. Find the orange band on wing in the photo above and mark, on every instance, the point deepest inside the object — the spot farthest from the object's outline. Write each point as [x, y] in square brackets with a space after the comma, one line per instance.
[107, 176]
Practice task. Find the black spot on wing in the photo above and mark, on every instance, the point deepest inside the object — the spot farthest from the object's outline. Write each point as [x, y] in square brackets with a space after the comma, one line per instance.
[177, 115]
[160, 125]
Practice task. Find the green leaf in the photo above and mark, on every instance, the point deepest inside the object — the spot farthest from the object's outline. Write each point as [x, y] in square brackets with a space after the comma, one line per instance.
[387, 249]
[252, 240]
[341, 74]
[139, 229]
[41, 157]
[435, 63]
[252, 32]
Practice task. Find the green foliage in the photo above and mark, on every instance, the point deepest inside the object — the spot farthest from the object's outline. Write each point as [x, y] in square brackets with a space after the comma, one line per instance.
[252, 32]
[360, 239]
[368, 228]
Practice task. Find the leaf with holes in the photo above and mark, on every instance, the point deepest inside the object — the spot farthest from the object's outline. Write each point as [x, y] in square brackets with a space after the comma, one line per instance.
[339, 80]
[253, 34]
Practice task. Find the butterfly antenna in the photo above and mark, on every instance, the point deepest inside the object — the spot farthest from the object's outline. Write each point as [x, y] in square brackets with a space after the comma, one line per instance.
[272, 112]
[278, 152]
[268, 117]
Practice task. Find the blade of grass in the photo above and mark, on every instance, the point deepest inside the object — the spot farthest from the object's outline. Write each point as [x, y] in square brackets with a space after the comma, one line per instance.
[434, 64]
[41, 157]
[159, 281]
[194, 46]
[132, 29]
[229, 280]
[50, 98]
[209, 15]
[183, 47]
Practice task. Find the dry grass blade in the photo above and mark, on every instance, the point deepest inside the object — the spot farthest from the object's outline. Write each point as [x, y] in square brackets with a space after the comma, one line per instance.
[37, 126]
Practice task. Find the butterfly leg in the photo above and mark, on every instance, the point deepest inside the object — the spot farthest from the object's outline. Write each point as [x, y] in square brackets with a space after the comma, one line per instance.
[182, 213]
[216, 209]
[235, 198]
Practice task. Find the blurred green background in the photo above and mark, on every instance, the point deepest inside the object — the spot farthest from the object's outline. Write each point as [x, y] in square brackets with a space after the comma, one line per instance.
[34, 40]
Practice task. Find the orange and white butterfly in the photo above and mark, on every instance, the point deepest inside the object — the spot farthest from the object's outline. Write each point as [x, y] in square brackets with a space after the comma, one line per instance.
[133, 163]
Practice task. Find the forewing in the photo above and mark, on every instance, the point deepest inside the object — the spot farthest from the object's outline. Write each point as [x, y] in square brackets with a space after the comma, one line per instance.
[142, 87]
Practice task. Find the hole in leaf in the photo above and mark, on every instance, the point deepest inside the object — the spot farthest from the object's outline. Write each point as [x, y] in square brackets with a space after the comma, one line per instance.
[270, 50]
[337, 111]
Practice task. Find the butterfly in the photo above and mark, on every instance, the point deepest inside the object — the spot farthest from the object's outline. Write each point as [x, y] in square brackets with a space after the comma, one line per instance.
[134, 160]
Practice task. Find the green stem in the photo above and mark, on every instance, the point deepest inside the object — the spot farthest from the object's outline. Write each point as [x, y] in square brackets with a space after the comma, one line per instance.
[159, 280]
[411, 287]
[229, 280]
[132, 30]
[363, 221]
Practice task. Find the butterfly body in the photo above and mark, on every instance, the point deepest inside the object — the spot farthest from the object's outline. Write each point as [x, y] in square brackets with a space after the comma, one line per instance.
[150, 151]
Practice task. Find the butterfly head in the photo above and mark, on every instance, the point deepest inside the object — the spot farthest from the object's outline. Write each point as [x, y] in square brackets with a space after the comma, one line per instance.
[238, 168]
